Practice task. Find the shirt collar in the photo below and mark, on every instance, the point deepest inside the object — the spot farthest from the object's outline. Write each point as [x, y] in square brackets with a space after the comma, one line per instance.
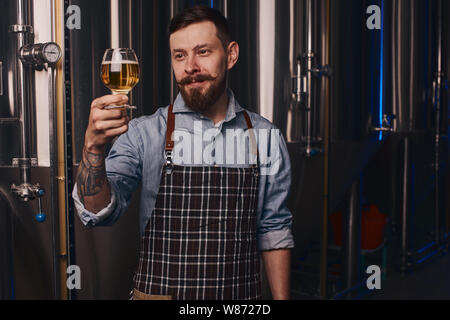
[233, 106]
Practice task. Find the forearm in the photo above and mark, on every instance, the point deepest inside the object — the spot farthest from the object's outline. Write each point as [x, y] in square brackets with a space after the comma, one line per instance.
[92, 184]
[278, 264]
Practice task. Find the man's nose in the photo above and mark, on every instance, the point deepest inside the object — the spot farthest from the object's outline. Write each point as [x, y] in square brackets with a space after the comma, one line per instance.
[191, 66]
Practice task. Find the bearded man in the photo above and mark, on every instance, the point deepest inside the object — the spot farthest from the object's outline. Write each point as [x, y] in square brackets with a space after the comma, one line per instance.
[204, 220]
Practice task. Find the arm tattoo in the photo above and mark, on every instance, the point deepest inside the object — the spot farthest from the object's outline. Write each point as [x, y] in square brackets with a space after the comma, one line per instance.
[91, 174]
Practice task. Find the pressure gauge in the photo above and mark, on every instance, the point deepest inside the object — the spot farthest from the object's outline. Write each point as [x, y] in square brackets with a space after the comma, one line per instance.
[41, 53]
[52, 52]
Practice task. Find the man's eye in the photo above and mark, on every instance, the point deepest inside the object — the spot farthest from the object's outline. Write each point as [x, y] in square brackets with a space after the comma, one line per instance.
[178, 56]
[203, 51]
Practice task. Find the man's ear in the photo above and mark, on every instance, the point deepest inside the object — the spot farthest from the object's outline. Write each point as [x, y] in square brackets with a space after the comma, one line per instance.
[233, 54]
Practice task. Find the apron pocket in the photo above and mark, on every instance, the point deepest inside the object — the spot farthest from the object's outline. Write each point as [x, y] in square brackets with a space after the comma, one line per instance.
[138, 295]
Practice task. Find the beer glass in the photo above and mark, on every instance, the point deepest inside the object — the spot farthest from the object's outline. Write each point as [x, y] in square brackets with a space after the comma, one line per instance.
[120, 72]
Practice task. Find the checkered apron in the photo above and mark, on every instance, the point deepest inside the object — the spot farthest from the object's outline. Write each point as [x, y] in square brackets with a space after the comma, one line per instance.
[200, 241]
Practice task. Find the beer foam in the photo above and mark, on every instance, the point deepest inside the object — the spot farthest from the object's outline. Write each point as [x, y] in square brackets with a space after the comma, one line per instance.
[117, 65]
[120, 62]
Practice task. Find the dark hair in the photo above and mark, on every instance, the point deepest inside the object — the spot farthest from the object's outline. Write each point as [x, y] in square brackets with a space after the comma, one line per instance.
[199, 14]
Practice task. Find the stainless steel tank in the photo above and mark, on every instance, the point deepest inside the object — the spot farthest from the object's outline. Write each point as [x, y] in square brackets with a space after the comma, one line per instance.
[30, 245]
[6, 247]
[410, 60]
[374, 74]
[12, 142]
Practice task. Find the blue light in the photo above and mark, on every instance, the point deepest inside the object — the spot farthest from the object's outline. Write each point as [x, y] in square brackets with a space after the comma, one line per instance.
[427, 256]
[380, 134]
[212, 3]
[426, 247]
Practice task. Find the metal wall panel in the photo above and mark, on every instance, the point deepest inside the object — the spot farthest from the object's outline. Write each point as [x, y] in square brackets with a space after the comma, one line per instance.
[87, 47]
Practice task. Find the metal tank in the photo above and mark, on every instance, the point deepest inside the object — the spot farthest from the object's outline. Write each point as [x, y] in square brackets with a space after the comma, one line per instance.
[13, 102]
[319, 99]
[28, 153]
[415, 94]
[356, 93]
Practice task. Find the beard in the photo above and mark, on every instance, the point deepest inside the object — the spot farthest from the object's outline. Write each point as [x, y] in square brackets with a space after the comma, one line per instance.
[198, 101]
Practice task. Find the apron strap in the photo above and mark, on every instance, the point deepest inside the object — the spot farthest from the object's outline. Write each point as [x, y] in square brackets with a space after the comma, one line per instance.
[254, 148]
[247, 119]
[168, 167]
[171, 127]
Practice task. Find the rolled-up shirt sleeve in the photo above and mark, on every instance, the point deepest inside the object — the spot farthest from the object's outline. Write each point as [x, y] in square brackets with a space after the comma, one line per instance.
[93, 219]
[274, 229]
[123, 170]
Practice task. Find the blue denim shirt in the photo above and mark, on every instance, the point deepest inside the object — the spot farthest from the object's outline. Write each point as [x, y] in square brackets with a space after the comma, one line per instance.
[137, 157]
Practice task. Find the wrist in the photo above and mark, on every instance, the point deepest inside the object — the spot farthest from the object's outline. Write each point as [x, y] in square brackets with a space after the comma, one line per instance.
[92, 148]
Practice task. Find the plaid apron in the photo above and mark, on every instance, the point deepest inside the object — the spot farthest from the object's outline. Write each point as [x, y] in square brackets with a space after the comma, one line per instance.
[200, 241]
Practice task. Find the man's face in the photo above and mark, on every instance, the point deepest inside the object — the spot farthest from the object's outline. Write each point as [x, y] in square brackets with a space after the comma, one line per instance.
[200, 64]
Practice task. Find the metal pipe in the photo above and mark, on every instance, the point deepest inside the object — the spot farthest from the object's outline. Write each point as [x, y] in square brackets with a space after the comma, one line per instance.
[309, 64]
[21, 98]
[53, 159]
[225, 8]
[22, 28]
[297, 83]
[20, 8]
[114, 24]
[309, 12]
[299, 79]
[439, 36]
[325, 94]
[54, 170]
[58, 105]
[352, 236]
[23, 87]
[437, 83]
[406, 206]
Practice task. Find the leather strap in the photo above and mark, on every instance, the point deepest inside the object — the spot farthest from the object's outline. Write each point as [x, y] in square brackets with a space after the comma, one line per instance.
[247, 119]
[253, 147]
[170, 128]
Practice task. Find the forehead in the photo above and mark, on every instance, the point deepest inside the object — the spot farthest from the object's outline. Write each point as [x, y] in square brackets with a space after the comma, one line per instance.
[193, 35]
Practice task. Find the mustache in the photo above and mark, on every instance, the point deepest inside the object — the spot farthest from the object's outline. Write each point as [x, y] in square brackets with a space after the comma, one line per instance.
[198, 78]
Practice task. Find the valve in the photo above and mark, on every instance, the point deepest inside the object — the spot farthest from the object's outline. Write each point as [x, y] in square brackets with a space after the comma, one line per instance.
[386, 124]
[40, 217]
[27, 192]
[303, 96]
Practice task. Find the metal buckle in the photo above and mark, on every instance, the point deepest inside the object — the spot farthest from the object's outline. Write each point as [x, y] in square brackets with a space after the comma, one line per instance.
[255, 170]
[168, 167]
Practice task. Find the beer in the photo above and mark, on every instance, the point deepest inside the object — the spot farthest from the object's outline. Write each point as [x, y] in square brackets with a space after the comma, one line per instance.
[121, 76]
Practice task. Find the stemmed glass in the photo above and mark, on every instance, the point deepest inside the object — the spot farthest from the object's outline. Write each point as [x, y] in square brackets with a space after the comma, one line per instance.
[120, 72]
